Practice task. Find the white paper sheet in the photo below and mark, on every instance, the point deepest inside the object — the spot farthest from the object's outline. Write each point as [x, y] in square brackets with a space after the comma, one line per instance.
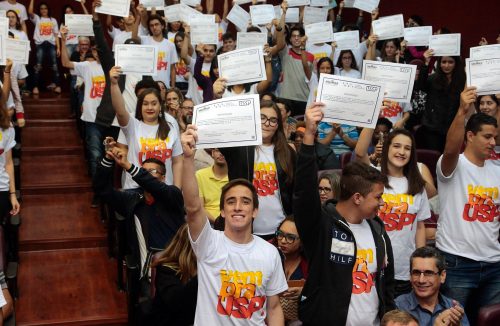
[262, 14]
[319, 32]
[485, 52]
[445, 44]
[120, 8]
[389, 27]
[242, 66]
[136, 59]
[346, 40]
[249, 40]
[204, 33]
[418, 36]
[80, 25]
[484, 74]
[239, 17]
[314, 15]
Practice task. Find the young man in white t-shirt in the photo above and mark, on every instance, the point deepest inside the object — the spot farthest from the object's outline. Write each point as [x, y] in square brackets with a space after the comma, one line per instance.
[239, 275]
[468, 225]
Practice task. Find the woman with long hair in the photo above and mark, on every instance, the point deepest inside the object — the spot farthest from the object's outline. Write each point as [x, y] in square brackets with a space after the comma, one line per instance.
[147, 134]
[176, 282]
[270, 167]
[15, 25]
[173, 101]
[47, 44]
[181, 68]
[406, 205]
[328, 186]
[490, 105]
[347, 65]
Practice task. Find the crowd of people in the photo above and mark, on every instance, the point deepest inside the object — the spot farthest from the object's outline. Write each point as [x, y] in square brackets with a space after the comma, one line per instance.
[321, 224]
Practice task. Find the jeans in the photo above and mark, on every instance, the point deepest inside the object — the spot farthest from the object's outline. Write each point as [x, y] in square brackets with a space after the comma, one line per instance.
[473, 283]
[94, 136]
[49, 49]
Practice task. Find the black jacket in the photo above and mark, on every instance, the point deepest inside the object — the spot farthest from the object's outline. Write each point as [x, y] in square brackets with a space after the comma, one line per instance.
[240, 163]
[167, 212]
[327, 291]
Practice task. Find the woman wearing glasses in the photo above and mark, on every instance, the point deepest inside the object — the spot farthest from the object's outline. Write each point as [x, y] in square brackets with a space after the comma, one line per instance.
[329, 186]
[270, 167]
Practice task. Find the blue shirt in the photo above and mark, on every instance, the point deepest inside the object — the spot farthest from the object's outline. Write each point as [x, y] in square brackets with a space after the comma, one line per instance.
[337, 144]
[408, 302]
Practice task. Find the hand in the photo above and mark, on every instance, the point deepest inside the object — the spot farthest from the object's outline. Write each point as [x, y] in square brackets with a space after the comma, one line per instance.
[64, 32]
[109, 145]
[427, 55]
[284, 6]
[334, 46]
[219, 86]
[467, 99]
[375, 14]
[21, 123]
[82, 2]
[114, 74]
[217, 19]
[313, 116]
[372, 39]
[452, 316]
[338, 129]
[95, 4]
[403, 45]
[199, 8]
[378, 149]
[187, 28]
[188, 141]
[483, 41]
[120, 157]
[58, 52]
[400, 124]
[267, 51]
[292, 293]
[140, 9]
[303, 41]
[8, 65]
[275, 22]
[15, 205]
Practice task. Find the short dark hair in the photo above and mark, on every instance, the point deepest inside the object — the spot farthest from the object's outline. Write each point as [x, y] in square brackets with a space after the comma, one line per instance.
[358, 177]
[397, 316]
[297, 28]
[227, 36]
[429, 252]
[419, 20]
[156, 161]
[326, 59]
[157, 17]
[477, 120]
[253, 29]
[384, 122]
[239, 182]
[146, 83]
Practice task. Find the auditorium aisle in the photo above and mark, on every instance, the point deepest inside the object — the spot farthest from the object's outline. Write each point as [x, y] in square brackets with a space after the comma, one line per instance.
[65, 275]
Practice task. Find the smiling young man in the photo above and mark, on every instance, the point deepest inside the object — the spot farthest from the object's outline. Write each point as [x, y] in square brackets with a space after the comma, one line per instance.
[425, 303]
[351, 267]
[239, 275]
[468, 228]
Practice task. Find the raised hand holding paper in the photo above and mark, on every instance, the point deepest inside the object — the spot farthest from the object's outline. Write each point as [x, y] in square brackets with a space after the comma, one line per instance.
[205, 33]
[314, 15]
[292, 14]
[242, 66]
[138, 59]
[319, 32]
[389, 27]
[262, 14]
[418, 36]
[346, 40]
[17, 50]
[120, 8]
[484, 74]
[239, 17]
[149, 4]
[445, 45]
[366, 5]
[80, 25]
[297, 3]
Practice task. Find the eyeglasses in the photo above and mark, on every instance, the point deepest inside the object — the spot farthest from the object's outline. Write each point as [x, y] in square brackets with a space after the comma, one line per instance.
[324, 189]
[290, 238]
[273, 122]
[427, 273]
[154, 171]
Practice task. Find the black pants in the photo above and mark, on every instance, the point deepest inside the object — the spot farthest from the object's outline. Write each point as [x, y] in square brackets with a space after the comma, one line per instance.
[298, 107]
[5, 205]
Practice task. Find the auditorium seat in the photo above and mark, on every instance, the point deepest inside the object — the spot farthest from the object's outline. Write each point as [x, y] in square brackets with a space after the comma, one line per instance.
[489, 315]
[429, 158]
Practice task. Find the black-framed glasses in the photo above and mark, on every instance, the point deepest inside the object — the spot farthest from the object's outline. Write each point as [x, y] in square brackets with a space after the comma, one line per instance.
[427, 273]
[290, 238]
[273, 121]
[326, 190]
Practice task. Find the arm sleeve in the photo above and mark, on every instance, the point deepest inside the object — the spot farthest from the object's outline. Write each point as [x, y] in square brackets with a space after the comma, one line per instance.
[439, 173]
[424, 211]
[277, 282]
[207, 242]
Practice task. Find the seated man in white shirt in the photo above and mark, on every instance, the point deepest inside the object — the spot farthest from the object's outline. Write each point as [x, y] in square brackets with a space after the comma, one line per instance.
[239, 274]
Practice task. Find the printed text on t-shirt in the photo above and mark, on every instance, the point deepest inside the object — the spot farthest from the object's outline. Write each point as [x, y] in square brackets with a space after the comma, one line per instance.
[394, 213]
[480, 204]
[265, 180]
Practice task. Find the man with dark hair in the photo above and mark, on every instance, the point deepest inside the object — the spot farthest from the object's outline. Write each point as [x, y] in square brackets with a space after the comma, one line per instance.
[424, 302]
[468, 228]
[398, 318]
[240, 275]
[228, 42]
[351, 278]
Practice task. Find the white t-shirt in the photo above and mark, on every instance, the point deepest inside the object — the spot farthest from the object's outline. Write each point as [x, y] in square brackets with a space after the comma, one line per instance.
[359, 54]
[167, 55]
[118, 36]
[19, 34]
[19, 8]
[363, 308]
[45, 29]
[7, 142]
[128, 94]
[171, 36]
[468, 222]
[234, 280]
[395, 110]
[230, 93]
[400, 214]
[319, 51]
[93, 76]
[70, 38]
[265, 181]
[143, 144]
[194, 91]
[2, 300]
[353, 73]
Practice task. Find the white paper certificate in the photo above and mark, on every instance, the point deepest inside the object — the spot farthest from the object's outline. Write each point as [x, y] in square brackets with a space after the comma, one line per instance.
[185, 12]
[418, 36]
[172, 13]
[397, 78]
[242, 66]
[366, 5]
[319, 32]
[192, 3]
[314, 15]
[201, 19]
[445, 44]
[152, 3]
[484, 74]
[17, 50]
[350, 101]
[389, 27]
[204, 33]
[120, 8]
[139, 59]
[239, 17]
[3, 46]
[319, 3]
[262, 14]
[485, 52]
[80, 25]
[298, 3]
[346, 40]
[349, 3]
[292, 14]
[228, 122]
[249, 40]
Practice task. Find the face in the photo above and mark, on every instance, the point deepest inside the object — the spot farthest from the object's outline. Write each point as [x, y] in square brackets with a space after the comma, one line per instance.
[411, 23]
[447, 65]
[150, 108]
[284, 114]
[380, 129]
[325, 190]
[390, 49]
[68, 10]
[488, 106]
[298, 139]
[156, 27]
[483, 142]
[187, 109]
[426, 286]
[172, 100]
[163, 90]
[372, 202]
[95, 54]
[219, 159]
[120, 23]
[325, 68]
[238, 210]
[12, 19]
[295, 39]
[346, 60]
[399, 151]
[154, 170]
[175, 26]
[228, 45]
[84, 45]
[208, 53]
[178, 41]
[288, 238]
[44, 10]
[269, 122]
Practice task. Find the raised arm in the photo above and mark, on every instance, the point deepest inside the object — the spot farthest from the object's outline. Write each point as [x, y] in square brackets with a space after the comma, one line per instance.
[66, 62]
[139, 13]
[196, 217]
[372, 43]
[455, 136]
[225, 10]
[303, 56]
[263, 85]
[364, 141]
[210, 6]
[31, 7]
[84, 8]
[280, 32]
[6, 81]
[9, 168]
[117, 98]
[186, 43]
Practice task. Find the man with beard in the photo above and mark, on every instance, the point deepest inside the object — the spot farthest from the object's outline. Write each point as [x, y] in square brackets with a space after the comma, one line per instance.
[186, 114]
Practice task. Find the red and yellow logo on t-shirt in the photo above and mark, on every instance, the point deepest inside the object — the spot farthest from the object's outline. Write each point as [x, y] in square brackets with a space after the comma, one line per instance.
[154, 148]
[237, 294]
[162, 65]
[181, 68]
[362, 279]
[46, 28]
[98, 86]
[390, 109]
[480, 205]
[265, 178]
[394, 213]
